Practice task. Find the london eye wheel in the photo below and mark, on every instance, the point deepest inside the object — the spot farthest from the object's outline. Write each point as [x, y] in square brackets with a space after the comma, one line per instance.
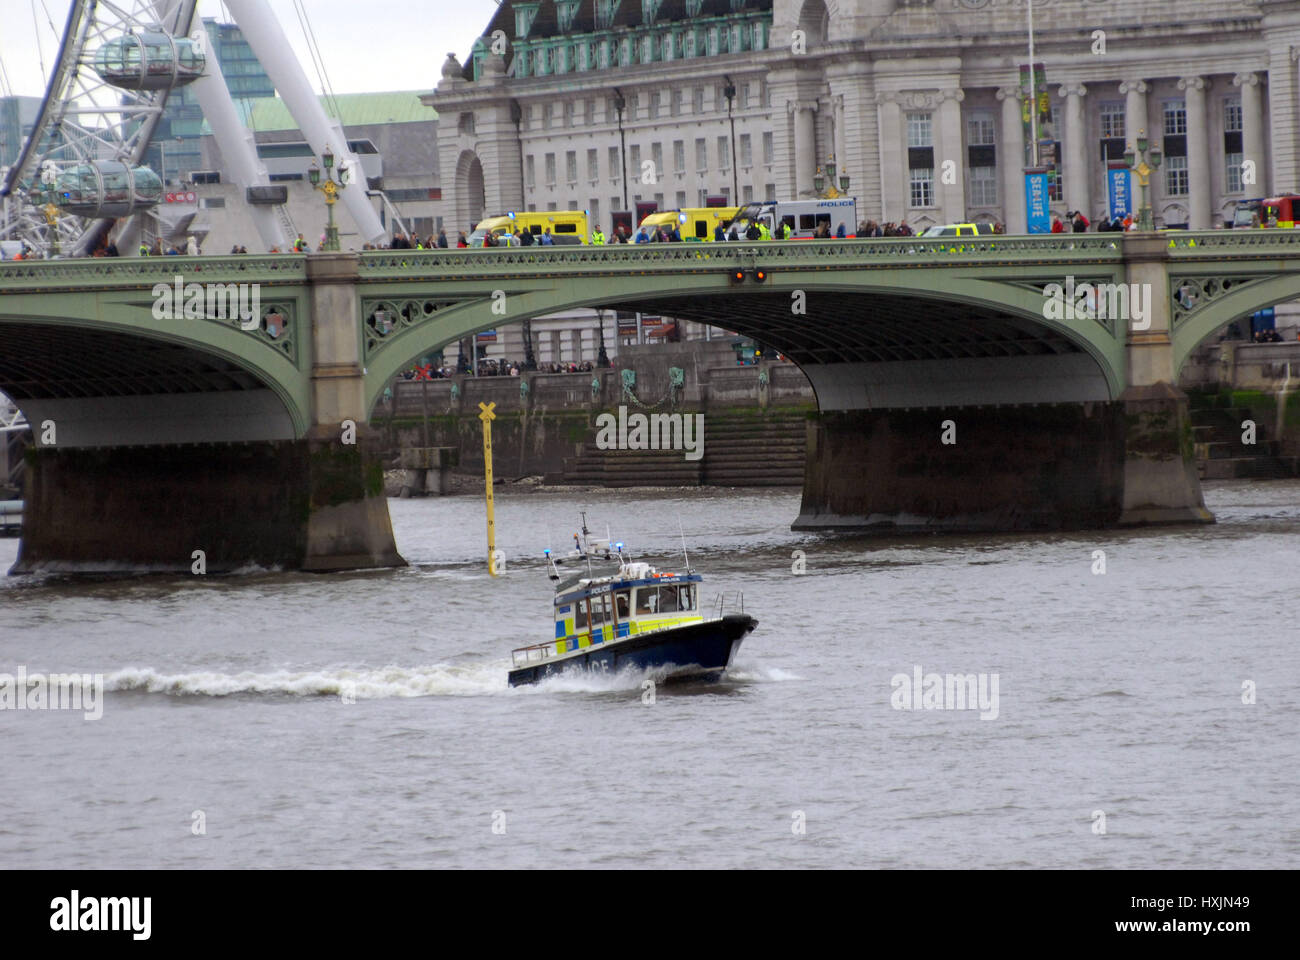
[82, 167]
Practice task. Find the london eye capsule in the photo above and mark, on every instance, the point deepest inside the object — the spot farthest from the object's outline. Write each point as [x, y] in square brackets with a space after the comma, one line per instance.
[104, 188]
[150, 60]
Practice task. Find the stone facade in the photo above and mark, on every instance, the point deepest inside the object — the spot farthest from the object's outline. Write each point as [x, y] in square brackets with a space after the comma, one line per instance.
[897, 91]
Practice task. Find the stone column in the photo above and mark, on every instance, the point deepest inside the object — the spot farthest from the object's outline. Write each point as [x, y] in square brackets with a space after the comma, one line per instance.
[1252, 128]
[1011, 158]
[893, 169]
[1135, 109]
[951, 196]
[1199, 184]
[837, 131]
[1077, 170]
[805, 146]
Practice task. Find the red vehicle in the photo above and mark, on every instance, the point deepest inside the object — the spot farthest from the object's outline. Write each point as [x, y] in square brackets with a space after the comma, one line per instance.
[1272, 212]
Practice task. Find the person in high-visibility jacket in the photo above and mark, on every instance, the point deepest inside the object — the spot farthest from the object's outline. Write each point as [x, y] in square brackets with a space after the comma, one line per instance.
[763, 232]
[786, 230]
[144, 249]
[597, 238]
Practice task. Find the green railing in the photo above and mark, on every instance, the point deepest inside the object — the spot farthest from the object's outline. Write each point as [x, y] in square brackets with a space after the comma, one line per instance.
[108, 273]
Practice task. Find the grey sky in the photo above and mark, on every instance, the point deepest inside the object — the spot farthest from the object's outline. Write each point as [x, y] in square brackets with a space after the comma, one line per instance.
[367, 46]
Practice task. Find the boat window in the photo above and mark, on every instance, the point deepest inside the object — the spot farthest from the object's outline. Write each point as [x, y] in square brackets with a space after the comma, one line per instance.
[647, 600]
[685, 598]
[667, 599]
[622, 602]
[599, 609]
[580, 623]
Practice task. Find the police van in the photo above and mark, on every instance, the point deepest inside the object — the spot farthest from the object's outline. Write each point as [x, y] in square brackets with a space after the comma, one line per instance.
[803, 217]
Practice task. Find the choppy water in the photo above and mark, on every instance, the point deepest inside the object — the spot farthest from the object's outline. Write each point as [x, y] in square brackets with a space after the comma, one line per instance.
[1119, 693]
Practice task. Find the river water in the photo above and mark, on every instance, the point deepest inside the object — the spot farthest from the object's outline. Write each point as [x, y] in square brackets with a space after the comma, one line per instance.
[1119, 736]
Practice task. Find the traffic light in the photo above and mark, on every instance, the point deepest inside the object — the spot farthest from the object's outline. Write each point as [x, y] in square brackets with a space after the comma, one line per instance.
[737, 276]
[760, 275]
[756, 274]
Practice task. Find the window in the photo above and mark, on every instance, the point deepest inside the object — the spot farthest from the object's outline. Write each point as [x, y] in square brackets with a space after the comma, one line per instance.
[530, 171]
[1175, 118]
[701, 155]
[1232, 115]
[724, 153]
[214, 203]
[593, 208]
[922, 187]
[571, 166]
[633, 103]
[747, 191]
[980, 131]
[568, 113]
[742, 96]
[769, 193]
[983, 186]
[657, 158]
[550, 207]
[465, 124]
[746, 150]
[697, 100]
[679, 157]
[681, 199]
[1176, 184]
[634, 160]
[611, 110]
[769, 148]
[1233, 180]
[589, 112]
[593, 164]
[919, 132]
[659, 201]
[702, 198]
[615, 164]
[656, 101]
[679, 101]
[1112, 130]
[622, 604]
[550, 170]
[548, 116]
[1112, 119]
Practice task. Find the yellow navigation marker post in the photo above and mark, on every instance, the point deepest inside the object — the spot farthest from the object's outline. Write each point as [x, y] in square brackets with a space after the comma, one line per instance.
[487, 416]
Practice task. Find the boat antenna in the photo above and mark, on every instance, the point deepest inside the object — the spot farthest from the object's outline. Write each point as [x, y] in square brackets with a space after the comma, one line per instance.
[684, 554]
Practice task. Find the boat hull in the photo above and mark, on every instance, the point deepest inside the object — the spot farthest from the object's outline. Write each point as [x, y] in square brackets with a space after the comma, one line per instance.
[695, 651]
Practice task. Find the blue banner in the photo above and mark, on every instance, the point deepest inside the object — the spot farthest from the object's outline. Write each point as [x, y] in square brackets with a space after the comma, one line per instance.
[1037, 209]
[1118, 185]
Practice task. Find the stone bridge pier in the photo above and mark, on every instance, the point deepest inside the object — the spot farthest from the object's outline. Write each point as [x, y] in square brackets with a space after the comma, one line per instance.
[1029, 443]
[219, 481]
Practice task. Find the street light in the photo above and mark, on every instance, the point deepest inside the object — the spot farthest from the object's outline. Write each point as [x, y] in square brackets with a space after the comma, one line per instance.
[49, 181]
[729, 91]
[1144, 161]
[827, 185]
[331, 188]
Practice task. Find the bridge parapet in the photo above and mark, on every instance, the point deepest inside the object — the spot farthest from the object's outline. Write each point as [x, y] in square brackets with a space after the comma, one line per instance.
[112, 273]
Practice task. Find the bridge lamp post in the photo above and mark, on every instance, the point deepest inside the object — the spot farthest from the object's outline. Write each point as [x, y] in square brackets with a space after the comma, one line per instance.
[729, 91]
[825, 182]
[331, 188]
[49, 181]
[1137, 161]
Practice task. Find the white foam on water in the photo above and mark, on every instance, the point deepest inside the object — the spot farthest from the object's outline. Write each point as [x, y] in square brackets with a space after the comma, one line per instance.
[364, 683]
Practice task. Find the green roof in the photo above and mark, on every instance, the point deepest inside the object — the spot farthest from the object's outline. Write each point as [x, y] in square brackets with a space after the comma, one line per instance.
[356, 109]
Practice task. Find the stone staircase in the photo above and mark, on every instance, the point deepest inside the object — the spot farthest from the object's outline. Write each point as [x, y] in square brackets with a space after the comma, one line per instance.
[1220, 454]
[739, 451]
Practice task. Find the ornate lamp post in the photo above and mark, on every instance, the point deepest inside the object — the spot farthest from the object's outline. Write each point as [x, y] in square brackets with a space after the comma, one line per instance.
[331, 188]
[1137, 161]
[729, 91]
[49, 181]
[825, 183]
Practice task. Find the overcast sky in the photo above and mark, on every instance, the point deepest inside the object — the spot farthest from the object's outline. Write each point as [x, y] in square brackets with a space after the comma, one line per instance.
[368, 45]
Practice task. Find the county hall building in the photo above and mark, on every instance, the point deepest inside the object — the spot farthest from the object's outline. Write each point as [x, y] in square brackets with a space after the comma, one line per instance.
[599, 104]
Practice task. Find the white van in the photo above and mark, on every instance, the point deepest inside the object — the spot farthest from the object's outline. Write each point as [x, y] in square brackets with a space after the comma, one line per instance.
[803, 216]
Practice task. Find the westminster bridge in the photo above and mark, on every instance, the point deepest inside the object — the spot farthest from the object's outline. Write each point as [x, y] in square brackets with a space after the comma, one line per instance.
[958, 388]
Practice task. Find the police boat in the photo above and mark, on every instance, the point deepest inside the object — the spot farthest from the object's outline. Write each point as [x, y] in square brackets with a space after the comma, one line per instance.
[632, 617]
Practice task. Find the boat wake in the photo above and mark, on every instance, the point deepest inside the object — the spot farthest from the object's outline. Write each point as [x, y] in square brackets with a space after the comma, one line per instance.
[392, 682]
[383, 683]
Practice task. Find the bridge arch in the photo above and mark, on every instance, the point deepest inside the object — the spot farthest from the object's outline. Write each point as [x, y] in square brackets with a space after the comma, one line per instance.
[1219, 300]
[110, 374]
[868, 318]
